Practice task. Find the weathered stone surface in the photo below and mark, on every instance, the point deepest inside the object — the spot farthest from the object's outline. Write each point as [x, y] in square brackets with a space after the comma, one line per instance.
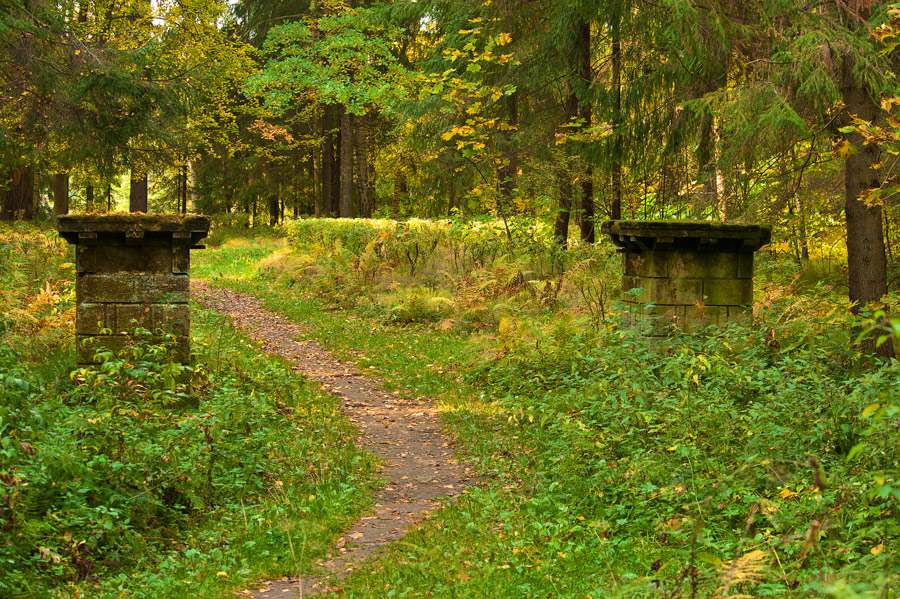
[667, 291]
[728, 292]
[112, 259]
[684, 235]
[88, 345]
[690, 274]
[647, 264]
[133, 228]
[91, 319]
[156, 318]
[132, 288]
[132, 275]
[181, 259]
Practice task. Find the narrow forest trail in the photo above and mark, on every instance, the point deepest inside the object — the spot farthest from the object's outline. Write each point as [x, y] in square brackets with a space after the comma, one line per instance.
[419, 466]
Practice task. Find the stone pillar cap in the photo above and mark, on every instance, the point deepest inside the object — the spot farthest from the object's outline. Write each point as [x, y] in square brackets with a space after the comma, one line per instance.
[132, 227]
[686, 235]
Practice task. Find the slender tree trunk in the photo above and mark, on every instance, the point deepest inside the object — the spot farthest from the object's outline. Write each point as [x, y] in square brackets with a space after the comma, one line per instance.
[89, 198]
[399, 184]
[60, 194]
[588, 234]
[36, 194]
[362, 167]
[616, 207]
[327, 163]
[801, 228]
[109, 197]
[508, 172]
[452, 193]
[866, 259]
[370, 165]
[336, 161]
[137, 201]
[273, 209]
[347, 144]
[561, 226]
[184, 189]
[18, 197]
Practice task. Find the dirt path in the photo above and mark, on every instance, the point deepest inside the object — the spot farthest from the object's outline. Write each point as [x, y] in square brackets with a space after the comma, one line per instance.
[420, 470]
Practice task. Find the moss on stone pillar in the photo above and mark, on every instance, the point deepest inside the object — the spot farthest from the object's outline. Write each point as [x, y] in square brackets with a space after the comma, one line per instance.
[686, 274]
[132, 276]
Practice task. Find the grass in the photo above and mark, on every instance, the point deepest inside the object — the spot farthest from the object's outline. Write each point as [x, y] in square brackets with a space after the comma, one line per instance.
[758, 461]
[748, 460]
[149, 479]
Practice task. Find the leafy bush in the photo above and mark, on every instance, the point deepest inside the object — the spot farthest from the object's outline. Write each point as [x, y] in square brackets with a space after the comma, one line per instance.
[150, 478]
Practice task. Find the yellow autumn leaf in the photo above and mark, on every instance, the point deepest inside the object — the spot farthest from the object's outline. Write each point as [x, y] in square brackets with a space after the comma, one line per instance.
[221, 574]
[871, 198]
[786, 493]
[870, 410]
[877, 549]
[503, 39]
[844, 149]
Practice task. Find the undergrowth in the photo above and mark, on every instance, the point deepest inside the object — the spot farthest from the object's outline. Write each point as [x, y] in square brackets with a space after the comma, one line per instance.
[745, 460]
[141, 477]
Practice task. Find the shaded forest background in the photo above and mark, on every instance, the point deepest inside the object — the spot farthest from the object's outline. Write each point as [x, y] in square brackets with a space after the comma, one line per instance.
[569, 112]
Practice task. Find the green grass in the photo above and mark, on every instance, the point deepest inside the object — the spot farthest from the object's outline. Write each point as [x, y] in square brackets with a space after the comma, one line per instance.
[148, 479]
[620, 468]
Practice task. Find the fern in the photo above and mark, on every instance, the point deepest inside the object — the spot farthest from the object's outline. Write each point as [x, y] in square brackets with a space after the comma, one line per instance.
[746, 569]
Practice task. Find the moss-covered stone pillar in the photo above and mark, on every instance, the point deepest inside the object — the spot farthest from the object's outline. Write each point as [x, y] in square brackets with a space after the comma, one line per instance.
[132, 273]
[686, 274]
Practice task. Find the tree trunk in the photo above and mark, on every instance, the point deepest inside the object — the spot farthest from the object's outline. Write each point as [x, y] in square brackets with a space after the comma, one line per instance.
[866, 260]
[508, 173]
[452, 193]
[89, 198]
[274, 204]
[326, 188]
[137, 201]
[561, 226]
[588, 234]
[36, 194]
[616, 207]
[60, 194]
[801, 228]
[362, 167]
[18, 197]
[399, 185]
[346, 207]
[370, 136]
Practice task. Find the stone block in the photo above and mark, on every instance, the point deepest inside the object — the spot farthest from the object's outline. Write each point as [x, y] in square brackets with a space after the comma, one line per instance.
[669, 291]
[113, 259]
[130, 317]
[740, 314]
[172, 318]
[156, 318]
[181, 259]
[88, 345]
[703, 265]
[91, 319]
[745, 265]
[724, 292]
[132, 288]
[651, 264]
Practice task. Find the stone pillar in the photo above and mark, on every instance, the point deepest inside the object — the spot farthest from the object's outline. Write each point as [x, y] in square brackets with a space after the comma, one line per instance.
[690, 274]
[132, 273]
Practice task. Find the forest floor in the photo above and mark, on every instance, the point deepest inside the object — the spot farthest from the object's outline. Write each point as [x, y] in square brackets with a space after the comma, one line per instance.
[419, 467]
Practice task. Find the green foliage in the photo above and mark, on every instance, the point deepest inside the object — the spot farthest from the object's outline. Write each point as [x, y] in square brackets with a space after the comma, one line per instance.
[155, 479]
[342, 58]
[757, 460]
